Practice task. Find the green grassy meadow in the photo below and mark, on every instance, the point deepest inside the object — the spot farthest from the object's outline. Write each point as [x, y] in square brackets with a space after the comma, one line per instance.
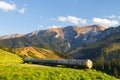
[11, 68]
[7, 57]
[36, 72]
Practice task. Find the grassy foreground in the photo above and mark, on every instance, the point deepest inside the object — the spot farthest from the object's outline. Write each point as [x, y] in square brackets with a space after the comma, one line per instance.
[36, 72]
[12, 69]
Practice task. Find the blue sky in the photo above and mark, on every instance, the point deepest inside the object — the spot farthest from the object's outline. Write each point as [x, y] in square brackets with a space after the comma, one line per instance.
[24, 16]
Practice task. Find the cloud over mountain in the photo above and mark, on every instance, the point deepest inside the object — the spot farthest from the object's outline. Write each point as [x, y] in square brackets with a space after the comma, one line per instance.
[72, 19]
[105, 22]
[113, 17]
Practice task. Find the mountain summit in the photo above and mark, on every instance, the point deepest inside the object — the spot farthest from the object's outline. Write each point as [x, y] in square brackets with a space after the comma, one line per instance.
[61, 32]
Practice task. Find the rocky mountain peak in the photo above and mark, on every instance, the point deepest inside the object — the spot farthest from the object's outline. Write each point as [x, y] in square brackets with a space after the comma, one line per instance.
[86, 29]
[58, 32]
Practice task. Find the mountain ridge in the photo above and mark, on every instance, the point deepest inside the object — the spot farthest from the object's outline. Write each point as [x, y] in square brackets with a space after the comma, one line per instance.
[67, 38]
[78, 29]
[61, 39]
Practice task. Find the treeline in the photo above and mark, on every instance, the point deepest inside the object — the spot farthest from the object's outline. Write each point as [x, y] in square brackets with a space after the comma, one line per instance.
[104, 54]
[109, 63]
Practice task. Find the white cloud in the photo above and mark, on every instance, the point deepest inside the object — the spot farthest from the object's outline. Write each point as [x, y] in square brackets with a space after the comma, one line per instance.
[7, 6]
[54, 26]
[105, 22]
[112, 16]
[22, 10]
[76, 20]
[60, 18]
[72, 19]
[40, 26]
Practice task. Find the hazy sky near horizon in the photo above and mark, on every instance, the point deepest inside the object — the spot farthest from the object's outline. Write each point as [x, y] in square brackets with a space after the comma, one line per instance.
[24, 16]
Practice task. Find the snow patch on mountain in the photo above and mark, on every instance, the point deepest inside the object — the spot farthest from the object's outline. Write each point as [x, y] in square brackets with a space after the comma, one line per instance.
[77, 36]
[34, 33]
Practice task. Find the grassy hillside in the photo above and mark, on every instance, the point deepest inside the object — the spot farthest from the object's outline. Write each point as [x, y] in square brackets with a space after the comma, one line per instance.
[33, 52]
[7, 57]
[17, 71]
[36, 72]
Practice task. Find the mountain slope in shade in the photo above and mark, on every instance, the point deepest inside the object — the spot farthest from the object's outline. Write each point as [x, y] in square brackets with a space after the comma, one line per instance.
[110, 44]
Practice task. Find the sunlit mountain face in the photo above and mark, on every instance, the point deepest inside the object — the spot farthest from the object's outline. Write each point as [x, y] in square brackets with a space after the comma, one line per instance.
[63, 39]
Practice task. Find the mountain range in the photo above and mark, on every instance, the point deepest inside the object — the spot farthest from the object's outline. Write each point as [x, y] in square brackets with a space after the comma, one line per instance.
[68, 38]
[59, 39]
[95, 42]
[78, 42]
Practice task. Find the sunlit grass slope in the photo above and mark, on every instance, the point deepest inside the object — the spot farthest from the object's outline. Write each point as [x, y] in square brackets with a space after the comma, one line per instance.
[36, 72]
[7, 57]
[12, 69]
[32, 52]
